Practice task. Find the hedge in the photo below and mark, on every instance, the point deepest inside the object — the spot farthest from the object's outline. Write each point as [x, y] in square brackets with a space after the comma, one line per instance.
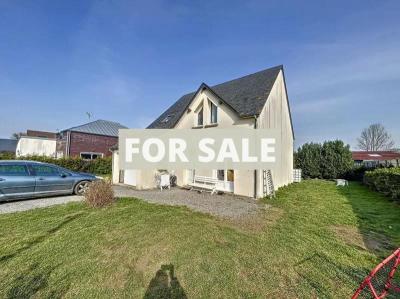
[97, 166]
[330, 160]
[384, 180]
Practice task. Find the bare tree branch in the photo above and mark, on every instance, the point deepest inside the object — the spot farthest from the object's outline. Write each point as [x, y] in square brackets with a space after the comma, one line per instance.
[375, 138]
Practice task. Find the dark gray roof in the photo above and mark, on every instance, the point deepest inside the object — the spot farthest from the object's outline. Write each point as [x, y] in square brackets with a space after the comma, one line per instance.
[99, 127]
[8, 145]
[246, 96]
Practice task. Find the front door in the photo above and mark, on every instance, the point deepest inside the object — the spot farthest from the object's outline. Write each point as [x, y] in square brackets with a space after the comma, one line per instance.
[15, 181]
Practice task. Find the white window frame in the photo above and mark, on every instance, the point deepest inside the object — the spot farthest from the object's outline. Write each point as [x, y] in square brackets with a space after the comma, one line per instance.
[91, 155]
[197, 113]
[211, 104]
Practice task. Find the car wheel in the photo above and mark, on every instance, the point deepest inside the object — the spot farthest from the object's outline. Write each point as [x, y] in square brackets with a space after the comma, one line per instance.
[81, 187]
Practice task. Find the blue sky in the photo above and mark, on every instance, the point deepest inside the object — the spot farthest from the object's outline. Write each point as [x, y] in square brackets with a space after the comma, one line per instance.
[127, 61]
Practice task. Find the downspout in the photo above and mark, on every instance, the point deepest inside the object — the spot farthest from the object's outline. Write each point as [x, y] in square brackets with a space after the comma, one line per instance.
[68, 143]
[255, 170]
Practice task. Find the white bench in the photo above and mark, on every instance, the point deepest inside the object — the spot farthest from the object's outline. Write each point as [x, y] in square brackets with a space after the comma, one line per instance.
[205, 182]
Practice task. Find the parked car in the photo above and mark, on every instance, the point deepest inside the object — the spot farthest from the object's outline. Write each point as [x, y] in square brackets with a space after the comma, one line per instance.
[29, 179]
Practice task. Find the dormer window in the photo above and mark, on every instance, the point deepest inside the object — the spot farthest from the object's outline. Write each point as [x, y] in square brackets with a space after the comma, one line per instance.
[200, 117]
[213, 113]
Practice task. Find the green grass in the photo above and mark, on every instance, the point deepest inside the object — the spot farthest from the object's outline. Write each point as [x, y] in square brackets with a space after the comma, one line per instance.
[313, 240]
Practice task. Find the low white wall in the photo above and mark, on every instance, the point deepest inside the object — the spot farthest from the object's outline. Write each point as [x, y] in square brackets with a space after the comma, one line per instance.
[28, 146]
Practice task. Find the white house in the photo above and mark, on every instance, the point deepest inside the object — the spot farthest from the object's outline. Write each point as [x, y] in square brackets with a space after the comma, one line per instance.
[254, 101]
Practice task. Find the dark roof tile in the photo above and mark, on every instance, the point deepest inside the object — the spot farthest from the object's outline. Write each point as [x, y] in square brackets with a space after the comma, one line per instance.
[246, 95]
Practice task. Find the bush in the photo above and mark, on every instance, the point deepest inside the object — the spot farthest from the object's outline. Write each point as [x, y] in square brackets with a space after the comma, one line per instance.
[99, 194]
[356, 173]
[7, 156]
[97, 166]
[384, 180]
[330, 160]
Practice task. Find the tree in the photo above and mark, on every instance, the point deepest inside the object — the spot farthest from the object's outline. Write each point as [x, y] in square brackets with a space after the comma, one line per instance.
[17, 135]
[308, 159]
[330, 160]
[375, 138]
[336, 159]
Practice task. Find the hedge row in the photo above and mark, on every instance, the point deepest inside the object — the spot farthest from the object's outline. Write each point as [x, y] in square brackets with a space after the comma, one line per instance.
[384, 180]
[97, 166]
[330, 160]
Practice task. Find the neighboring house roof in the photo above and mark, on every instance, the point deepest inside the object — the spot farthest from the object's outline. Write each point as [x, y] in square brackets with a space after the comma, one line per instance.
[99, 127]
[41, 134]
[375, 156]
[246, 96]
[8, 145]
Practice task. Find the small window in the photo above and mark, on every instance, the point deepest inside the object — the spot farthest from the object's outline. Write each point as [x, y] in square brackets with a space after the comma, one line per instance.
[221, 174]
[200, 117]
[165, 120]
[91, 156]
[213, 111]
[13, 170]
[45, 170]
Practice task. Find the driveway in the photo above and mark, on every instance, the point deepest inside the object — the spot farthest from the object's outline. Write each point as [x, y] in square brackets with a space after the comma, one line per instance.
[226, 205]
[29, 204]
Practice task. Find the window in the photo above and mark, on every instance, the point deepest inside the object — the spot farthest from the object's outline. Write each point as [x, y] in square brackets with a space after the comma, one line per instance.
[45, 170]
[90, 155]
[13, 170]
[200, 117]
[213, 111]
[166, 119]
[221, 174]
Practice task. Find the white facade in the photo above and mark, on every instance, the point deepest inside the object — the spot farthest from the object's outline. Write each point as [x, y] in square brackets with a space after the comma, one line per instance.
[29, 146]
[251, 183]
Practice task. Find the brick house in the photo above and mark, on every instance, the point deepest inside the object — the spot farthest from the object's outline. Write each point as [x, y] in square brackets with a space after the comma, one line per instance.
[88, 141]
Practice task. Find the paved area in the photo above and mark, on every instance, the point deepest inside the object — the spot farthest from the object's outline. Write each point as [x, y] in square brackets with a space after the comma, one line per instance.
[227, 205]
[29, 204]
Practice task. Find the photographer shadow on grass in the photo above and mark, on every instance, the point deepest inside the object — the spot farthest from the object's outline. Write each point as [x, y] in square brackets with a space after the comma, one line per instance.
[165, 285]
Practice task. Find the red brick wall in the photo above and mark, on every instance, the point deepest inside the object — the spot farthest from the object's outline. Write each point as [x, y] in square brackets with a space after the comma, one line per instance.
[82, 142]
[43, 134]
[61, 145]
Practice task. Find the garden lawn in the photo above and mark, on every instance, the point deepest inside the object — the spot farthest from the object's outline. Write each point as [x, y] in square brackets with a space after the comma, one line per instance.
[314, 239]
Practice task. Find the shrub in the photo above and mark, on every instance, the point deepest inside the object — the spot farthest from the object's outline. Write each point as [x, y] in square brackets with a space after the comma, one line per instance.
[7, 156]
[384, 180]
[357, 173]
[97, 166]
[99, 194]
[330, 160]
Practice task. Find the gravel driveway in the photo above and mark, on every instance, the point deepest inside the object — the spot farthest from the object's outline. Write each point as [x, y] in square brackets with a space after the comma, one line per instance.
[29, 204]
[227, 205]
